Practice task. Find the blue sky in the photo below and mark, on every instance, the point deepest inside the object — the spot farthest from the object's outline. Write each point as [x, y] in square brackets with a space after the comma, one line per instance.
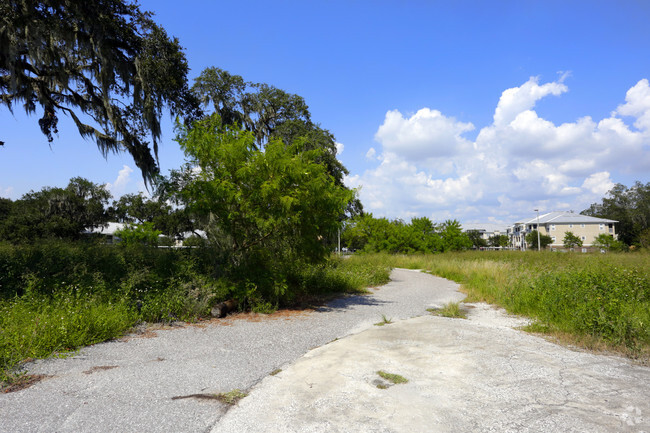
[479, 111]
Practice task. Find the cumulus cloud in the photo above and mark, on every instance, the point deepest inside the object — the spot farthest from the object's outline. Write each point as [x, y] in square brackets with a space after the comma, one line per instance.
[426, 134]
[7, 192]
[523, 98]
[598, 183]
[519, 162]
[339, 148]
[118, 187]
[637, 104]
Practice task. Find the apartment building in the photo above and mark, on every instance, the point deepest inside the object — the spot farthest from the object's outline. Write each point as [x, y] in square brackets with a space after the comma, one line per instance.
[557, 224]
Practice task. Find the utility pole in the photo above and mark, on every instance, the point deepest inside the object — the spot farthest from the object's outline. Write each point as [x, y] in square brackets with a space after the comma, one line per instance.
[539, 245]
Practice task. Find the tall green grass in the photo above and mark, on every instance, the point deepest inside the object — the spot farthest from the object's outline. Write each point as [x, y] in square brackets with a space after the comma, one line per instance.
[61, 296]
[604, 296]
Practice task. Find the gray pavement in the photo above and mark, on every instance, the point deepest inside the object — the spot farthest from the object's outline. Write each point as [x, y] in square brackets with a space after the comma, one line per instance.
[130, 385]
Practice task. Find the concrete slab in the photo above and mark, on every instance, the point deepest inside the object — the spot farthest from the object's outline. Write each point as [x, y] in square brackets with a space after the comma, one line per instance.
[477, 375]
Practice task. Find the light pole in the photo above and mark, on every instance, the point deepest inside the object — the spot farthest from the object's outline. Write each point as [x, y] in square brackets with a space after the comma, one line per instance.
[539, 245]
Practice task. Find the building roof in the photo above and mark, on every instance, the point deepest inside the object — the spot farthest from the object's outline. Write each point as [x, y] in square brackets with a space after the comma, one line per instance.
[108, 229]
[487, 227]
[566, 218]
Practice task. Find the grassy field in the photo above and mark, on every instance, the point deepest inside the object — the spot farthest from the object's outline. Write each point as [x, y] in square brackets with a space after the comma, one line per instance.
[593, 300]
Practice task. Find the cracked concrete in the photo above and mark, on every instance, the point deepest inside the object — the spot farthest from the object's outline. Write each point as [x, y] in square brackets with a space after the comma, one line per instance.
[478, 375]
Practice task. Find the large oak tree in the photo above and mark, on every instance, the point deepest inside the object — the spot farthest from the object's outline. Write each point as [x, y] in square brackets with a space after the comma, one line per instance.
[104, 63]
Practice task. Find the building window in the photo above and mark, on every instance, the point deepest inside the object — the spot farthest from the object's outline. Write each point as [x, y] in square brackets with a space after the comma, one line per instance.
[570, 226]
[553, 239]
[552, 226]
[584, 250]
[582, 225]
[602, 226]
[583, 238]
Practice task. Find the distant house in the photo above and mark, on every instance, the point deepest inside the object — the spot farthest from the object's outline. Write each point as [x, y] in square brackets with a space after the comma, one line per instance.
[107, 232]
[486, 230]
[557, 224]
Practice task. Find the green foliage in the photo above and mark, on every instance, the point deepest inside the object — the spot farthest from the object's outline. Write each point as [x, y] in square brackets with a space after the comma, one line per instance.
[138, 234]
[57, 296]
[476, 239]
[571, 240]
[393, 378]
[34, 326]
[498, 241]
[62, 213]
[269, 114]
[451, 310]
[267, 209]
[258, 108]
[106, 61]
[544, 240]
[606, 297]
[135, 208]
[371, 234]
[630, 206]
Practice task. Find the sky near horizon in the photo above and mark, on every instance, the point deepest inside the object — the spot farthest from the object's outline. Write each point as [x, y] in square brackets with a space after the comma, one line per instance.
[478, 111]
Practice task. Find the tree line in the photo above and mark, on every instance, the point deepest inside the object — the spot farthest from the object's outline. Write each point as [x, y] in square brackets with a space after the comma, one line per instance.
[369, 234]
[630, 206]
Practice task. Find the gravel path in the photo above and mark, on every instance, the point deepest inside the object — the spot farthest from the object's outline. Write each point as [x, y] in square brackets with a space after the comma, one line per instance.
[157, 384]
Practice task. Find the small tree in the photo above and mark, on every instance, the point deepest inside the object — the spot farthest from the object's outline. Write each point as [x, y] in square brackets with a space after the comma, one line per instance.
[268, 210]
[138, 234]
[498, 241]
[476, 239]
[607, 242]
[544, 240]
[571, 240]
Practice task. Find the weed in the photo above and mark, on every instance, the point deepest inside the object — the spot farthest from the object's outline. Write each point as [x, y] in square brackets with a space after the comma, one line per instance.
[276, 371]
[231, 397]
[393, 378]
[384, 321]
[451, 309]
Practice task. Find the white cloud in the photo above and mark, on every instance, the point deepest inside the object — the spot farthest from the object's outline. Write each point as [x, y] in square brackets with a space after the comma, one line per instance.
[523, 98]
[518, 163]
[339, 148]
[118, 187]
[426, 134]
[637, 104]
[598, 183]
[7, 192]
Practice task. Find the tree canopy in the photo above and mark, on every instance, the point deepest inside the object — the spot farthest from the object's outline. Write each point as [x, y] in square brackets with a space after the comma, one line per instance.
[630, 206]
[104, 63]
[265, 209]
[571, 240]
[269, 113]
[370, 234]
[62, 213]
[544, 240]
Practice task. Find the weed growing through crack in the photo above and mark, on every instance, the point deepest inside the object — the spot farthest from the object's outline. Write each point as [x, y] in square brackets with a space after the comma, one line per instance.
[276, 371]
[394, 378]
[231, 397]
[451, 309]
[384, 321]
